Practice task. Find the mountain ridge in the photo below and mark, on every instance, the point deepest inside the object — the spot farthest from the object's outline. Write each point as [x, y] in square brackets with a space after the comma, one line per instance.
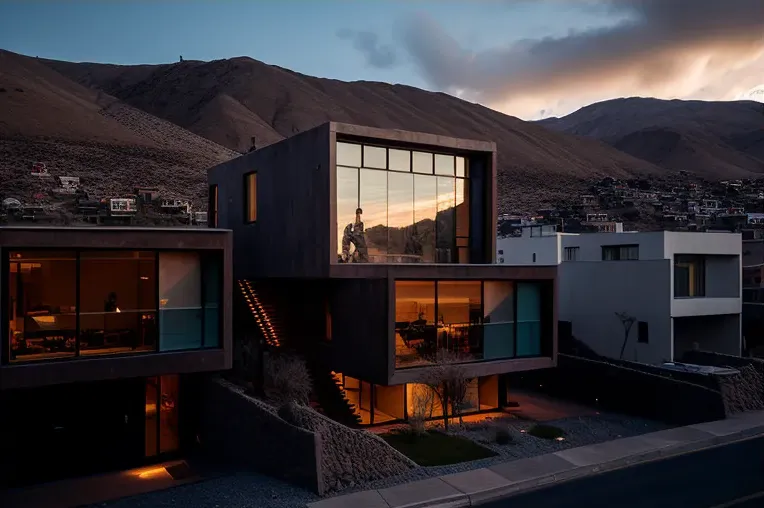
[717, 140]
[229, 101]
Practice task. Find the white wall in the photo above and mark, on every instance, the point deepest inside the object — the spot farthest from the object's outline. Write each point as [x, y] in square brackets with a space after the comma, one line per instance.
[590, 244]
[590, 294]
[520, 251]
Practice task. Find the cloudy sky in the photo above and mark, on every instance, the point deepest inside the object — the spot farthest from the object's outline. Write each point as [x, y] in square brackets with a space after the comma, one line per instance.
[528, 58]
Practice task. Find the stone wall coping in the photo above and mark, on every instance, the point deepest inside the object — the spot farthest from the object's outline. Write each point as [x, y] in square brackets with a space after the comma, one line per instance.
[479, 486]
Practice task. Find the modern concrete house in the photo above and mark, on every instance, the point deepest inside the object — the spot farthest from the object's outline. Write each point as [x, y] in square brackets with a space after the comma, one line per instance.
[374, 249]
[107, 333]
[683, 290]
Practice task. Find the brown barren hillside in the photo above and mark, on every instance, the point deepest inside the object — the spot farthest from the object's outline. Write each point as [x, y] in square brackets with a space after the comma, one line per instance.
[229, 101]
[717, 140]
[78, 131]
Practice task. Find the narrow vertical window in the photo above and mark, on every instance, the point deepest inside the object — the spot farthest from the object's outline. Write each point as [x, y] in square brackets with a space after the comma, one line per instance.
[212, 207]
[250, 198]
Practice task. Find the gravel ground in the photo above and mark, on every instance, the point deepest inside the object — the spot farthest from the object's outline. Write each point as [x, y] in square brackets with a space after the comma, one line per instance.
[250, 490]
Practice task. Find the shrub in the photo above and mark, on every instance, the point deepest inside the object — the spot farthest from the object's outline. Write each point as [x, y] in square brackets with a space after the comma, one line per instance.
[546, 431]
[286, 379]
[502, 437]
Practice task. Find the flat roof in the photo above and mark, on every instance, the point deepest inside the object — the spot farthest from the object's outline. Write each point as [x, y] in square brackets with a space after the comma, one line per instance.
[411, 137]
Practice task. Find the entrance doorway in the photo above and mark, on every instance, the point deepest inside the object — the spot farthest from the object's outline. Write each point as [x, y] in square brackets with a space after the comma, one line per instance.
[162, 434]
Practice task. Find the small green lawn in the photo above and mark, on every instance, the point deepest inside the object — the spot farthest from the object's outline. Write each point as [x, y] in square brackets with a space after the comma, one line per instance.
[435, 448]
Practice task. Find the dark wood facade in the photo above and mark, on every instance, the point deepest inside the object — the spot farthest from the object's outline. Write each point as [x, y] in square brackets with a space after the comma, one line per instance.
[81, 369]
[295, 237]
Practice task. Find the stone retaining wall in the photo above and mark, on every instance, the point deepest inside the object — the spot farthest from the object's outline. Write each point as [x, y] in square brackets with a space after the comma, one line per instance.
[744, 392]
[349, 456]
[294, 443]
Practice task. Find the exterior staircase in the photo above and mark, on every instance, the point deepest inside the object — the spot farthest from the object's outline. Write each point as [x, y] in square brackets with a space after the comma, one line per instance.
[269, 308]
[259, 313]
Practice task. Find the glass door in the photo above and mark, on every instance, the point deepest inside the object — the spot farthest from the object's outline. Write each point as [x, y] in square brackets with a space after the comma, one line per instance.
[162, 416]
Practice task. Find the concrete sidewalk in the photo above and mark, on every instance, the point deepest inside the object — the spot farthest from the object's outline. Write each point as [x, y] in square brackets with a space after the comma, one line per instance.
[478, 486]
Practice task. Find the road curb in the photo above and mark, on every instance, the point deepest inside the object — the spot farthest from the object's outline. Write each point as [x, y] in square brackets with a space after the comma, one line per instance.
[632, 460]
[479, 486]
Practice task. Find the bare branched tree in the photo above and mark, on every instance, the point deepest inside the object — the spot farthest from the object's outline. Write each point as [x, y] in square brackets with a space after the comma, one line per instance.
[448, 381]
[627, 322]
[422, 405]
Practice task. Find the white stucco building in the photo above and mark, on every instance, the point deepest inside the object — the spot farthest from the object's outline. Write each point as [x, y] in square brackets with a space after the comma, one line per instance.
[681, 288]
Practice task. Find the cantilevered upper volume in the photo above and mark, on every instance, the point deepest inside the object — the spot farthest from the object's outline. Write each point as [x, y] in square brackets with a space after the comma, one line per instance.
[341, 195]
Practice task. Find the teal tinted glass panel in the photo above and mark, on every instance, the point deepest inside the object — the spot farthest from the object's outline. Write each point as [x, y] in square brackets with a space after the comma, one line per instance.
[528, 319]
[212, 281]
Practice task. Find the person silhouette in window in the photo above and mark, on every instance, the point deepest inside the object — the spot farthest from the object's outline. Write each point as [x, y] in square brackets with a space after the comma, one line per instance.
[354, 234]
[110, 305]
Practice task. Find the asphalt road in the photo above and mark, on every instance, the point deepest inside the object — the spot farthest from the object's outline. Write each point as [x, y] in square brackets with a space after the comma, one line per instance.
[730, 476]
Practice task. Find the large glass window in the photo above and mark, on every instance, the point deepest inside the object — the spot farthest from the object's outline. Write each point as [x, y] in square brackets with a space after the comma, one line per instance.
[101, 302]
[180, 301]
[399, 206]
[415, 329]
[42, 305]
[479, 320]
[689, 276]
[117, 302]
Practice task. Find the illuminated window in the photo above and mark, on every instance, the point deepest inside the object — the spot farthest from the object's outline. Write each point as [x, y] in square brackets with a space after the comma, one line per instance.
[250, 198]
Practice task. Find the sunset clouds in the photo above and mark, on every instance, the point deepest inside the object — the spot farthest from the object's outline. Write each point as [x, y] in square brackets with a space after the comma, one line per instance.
[702, 49]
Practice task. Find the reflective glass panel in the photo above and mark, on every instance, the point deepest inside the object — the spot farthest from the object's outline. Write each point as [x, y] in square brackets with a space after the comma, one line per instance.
[498, 319]
[444, 165]
[461, 167]
[422, 162]
[462, 209]
[348, 154]
[425, 211]
[400, 219]
[399, 160]
[446, 238]
[347, 203]
[212, 281]
[374, 157]
[373, 204]
[528, 319]
[180, 301]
